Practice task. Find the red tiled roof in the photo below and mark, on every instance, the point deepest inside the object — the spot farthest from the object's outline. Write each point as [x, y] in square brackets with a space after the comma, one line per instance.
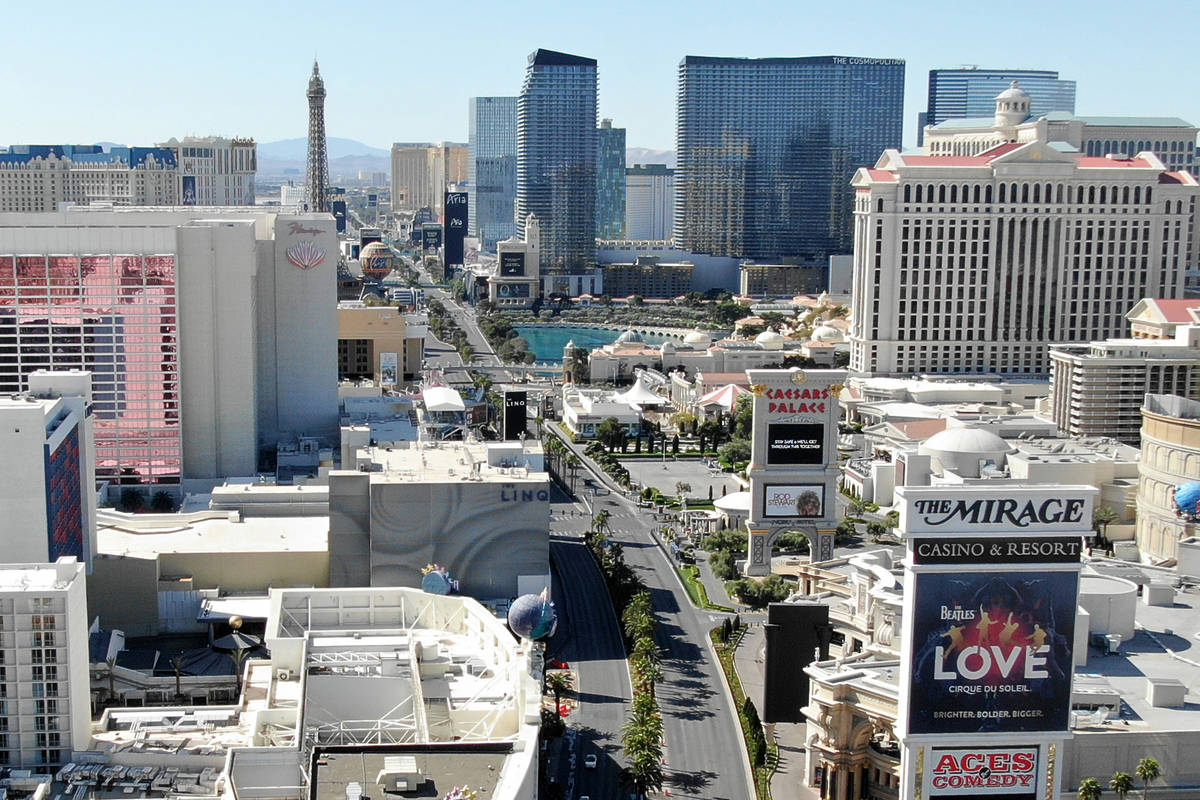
[1175, 310]
[1001, 149]
[882, 175]
[946, 161]
[1103, 162]
[921, 429]
[1174, 177]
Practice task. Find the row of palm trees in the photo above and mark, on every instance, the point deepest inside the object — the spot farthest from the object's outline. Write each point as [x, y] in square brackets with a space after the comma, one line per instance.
[1148, 770]
[562, 459]
[642, 734]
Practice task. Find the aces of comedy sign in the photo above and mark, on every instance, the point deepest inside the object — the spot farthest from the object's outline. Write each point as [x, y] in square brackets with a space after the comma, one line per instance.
[992, 652]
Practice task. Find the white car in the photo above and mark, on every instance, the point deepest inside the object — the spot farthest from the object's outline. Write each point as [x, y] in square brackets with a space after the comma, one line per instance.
[589, 762]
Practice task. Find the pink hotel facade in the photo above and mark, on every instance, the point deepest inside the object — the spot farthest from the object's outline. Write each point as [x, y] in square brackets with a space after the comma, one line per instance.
[206, 343]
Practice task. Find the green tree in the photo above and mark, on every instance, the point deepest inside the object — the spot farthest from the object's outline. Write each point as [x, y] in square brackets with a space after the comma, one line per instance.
[132, 500]
[723, 565]
[756, 741]
[558, 684]
[682, 488]
[1102, 517]
[600, 522]
[792, 542]
[577, 367]
[736, 451]
[573, 464]
[1121, 783]
[1149, 771]
[1089, 789]
[162, 503]
[743, 417]
[611, 434]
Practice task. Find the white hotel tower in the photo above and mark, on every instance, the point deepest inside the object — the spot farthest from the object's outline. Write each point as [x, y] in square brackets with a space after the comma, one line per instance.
[976, 263]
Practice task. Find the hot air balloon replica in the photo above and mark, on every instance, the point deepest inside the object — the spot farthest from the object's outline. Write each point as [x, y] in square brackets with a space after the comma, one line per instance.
[1187, 500]
[531, 616]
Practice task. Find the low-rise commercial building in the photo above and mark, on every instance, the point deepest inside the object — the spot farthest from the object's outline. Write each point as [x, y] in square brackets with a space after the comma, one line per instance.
[379, 343]
[648, 277]
[379, 688]
[1096, 389]
[780, 280]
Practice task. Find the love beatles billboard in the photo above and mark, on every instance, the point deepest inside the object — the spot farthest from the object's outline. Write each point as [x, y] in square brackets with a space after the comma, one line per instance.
[992, 652]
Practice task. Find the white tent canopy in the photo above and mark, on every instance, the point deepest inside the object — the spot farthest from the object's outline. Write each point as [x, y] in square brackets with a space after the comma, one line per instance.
[442, 398]
[639, 395]
[725, 397]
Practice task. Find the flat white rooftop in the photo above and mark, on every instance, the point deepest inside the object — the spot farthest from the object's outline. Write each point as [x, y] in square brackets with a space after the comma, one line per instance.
[251, 535]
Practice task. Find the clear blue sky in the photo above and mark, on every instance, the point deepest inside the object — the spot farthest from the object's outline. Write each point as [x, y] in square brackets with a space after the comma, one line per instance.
[139, 72]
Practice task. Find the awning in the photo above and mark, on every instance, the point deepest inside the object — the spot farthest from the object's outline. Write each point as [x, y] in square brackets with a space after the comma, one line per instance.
[725, 397]
[639, 395]
[442, 398]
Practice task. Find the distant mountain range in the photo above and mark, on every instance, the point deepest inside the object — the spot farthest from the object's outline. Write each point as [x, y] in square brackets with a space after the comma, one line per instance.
[644, 155]
[297, 149]
[347, 157]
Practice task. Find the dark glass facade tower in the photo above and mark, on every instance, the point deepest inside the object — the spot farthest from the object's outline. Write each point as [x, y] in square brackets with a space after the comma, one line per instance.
[970, 92]
[766, 149]
[492, 168]
[556, 159]
[610, 181]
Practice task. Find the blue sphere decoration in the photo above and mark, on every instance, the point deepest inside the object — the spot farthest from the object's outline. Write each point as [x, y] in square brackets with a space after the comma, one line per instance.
[532, 616]
[1187, 499]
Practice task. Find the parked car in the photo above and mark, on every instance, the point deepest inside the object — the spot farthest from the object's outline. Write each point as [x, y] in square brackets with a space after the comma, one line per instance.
[589, 762]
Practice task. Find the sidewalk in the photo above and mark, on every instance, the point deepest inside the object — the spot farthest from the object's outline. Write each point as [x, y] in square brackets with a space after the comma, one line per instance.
[788, 781]
[715, 586]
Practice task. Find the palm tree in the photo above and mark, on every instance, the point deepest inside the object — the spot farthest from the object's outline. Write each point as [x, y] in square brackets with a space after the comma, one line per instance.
[1101, 519]
[600, 523]
[1148, 770]
[1090, 789]
[558, 683]
[239, 657]
[177, 666]
[1121, 783]
[573, 464]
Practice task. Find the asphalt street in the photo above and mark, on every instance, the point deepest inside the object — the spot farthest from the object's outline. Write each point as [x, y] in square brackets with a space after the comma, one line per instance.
[705, 755]
[589, 640]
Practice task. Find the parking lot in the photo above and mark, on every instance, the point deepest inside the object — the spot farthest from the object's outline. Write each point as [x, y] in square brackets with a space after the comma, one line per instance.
[647, 472]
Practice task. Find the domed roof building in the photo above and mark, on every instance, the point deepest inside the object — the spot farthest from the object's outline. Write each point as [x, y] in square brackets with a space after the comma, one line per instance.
[629, 336]
[769, 340]
[965, 450]
[827, 333]
[697, 340]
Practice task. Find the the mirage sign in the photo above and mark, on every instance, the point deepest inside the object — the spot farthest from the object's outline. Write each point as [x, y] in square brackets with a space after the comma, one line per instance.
[1023, 509]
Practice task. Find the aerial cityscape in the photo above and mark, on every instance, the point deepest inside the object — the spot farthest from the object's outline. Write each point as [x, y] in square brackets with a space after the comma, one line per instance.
[792, 415]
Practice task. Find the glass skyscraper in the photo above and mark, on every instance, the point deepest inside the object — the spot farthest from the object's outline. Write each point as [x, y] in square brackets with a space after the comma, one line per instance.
[766, 149]
[610, 182]
[556, 158]
[492, 168]
[971, 92]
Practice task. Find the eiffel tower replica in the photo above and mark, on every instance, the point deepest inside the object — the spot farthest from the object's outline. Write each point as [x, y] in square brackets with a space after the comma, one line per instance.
[316, 181]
